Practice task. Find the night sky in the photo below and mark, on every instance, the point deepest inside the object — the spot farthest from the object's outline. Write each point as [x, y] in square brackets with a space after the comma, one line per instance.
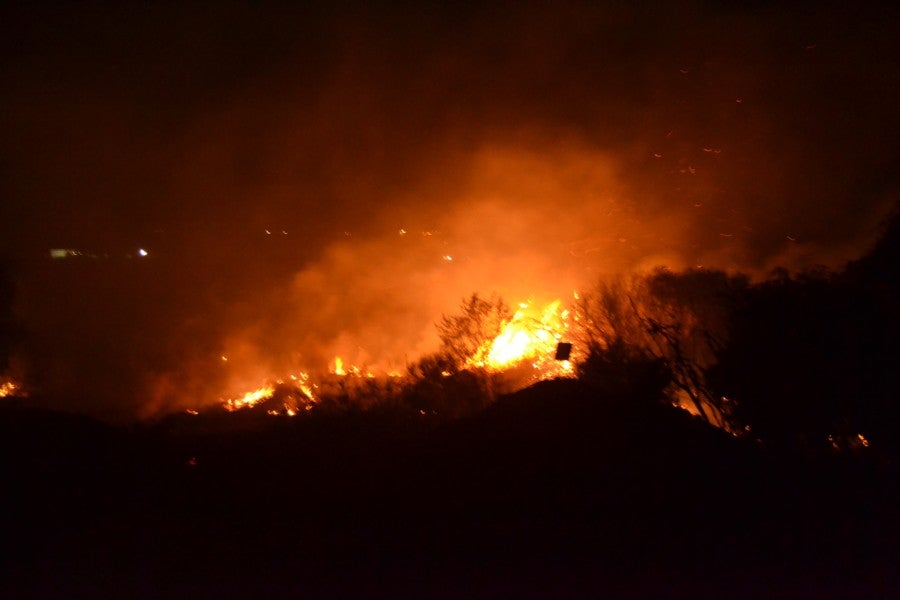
[300, 176]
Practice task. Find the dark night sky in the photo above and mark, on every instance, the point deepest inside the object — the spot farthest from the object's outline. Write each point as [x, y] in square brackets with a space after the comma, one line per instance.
[546, 144]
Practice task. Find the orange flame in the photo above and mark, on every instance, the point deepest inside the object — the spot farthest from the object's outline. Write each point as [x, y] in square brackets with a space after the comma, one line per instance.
[249, 399]
[339, 366]
[529, 335]
[10, 388]
[528, 339]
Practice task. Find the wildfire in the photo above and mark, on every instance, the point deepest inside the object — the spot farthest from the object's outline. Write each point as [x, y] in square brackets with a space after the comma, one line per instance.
[284, 397]
[249, 399]
[10, 388]
[339, 366]
[526, 344]
[530, 334]
[355, 370]
[303, 384]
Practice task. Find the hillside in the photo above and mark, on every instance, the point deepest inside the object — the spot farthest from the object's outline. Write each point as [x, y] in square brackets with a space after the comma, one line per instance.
[549, 491]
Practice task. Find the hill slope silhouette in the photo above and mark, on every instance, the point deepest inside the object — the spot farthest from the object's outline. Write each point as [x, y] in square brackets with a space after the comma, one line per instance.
[551, 490]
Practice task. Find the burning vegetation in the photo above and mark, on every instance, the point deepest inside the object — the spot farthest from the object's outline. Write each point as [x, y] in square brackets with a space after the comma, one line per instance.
[10, 388]
[484, 340]
[694, 339]
[314, 222]
[273, 220]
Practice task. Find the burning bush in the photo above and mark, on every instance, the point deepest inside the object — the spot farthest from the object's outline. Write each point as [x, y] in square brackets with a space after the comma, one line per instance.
[462, 335]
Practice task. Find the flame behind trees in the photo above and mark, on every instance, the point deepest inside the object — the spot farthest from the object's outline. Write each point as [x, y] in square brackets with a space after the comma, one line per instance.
[810, 357]
[485, 349]
[804, 362]
[647, 336]
[462, 335]
[675, 321]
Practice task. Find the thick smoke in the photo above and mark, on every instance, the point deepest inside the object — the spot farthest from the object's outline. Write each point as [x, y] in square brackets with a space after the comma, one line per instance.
[271, 159]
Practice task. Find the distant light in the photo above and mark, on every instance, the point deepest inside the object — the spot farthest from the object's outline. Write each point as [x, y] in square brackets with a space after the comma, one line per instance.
[402, 232]
[63, 252]
[8, 388]
[268, 232]
[142, 252]
[447, 258]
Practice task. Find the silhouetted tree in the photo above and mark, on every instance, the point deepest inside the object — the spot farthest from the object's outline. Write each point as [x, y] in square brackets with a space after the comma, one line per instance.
[623, 372]
[605, 316]
[443, 383]
[478, 321]
[686, 317]
[812, 363]
[678, 320]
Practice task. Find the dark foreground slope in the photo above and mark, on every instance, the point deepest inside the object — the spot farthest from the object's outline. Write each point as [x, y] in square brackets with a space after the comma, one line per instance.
[551, 491]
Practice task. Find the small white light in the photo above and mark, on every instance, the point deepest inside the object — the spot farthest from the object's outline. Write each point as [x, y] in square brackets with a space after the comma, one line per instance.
[142, 252]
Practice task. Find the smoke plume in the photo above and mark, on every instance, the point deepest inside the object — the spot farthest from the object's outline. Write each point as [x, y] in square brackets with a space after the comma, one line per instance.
[328, 180]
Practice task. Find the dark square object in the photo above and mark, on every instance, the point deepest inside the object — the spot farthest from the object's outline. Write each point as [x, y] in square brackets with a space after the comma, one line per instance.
[563, 349]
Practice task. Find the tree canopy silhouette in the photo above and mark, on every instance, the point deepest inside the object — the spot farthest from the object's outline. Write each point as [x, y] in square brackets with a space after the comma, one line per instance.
[478, 320]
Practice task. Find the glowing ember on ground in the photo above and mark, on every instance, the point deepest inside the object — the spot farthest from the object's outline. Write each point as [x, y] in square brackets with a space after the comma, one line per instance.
[10, 388]
[249, 399]
[303, 384]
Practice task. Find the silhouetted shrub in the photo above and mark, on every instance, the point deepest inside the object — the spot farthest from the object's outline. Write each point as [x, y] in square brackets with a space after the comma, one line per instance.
[812, 363]
[679, 320]
[436, 387]
[462, 334]
[620, 372]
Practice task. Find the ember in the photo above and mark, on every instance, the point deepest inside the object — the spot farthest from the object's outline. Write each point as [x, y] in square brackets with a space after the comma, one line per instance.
[249, 399]
[10, 388]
